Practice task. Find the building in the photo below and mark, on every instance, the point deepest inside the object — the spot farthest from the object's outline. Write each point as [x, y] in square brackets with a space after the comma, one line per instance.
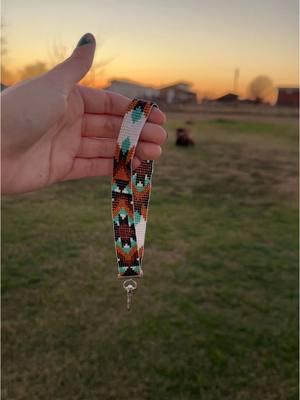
[178, 93]
[2, 87]
[133, 89]
[288, 97]
[228, 98]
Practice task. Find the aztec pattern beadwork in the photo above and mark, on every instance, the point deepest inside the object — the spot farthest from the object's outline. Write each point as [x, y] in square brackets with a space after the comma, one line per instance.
[131, 192]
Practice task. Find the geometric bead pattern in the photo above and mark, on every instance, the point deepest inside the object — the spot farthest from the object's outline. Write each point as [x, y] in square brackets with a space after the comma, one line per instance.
[131, 192]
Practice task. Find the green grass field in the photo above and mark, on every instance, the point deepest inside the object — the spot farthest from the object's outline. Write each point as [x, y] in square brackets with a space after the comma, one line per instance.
[215, 316]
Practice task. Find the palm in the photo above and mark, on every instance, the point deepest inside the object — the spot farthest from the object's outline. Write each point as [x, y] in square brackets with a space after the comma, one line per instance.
[67, 140]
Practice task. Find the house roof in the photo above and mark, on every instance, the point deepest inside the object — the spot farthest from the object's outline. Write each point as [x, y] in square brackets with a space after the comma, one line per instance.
[130, 83]
[126, 81]
[186, 91]
[228, 97]
[176, 84]
[294, 90]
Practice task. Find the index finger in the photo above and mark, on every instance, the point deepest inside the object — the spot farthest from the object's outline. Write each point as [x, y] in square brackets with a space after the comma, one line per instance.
[98, 101]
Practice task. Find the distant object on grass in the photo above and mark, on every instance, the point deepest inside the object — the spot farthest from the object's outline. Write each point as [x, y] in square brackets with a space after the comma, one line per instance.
[177, 93]
[288, 97]
[184, 138]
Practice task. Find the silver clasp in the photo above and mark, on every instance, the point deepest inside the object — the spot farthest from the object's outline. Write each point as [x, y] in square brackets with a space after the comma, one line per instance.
[129, 285]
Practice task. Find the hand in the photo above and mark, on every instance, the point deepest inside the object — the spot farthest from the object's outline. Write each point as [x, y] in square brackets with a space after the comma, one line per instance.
[54, 129]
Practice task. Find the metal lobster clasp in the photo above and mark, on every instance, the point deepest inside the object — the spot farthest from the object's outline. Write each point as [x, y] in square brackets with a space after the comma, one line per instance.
[129, 285]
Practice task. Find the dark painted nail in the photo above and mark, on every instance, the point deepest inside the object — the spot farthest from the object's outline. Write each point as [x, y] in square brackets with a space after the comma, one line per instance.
[86, 39]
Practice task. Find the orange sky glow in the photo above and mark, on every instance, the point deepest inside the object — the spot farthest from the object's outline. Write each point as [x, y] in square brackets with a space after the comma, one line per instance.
[157, 43]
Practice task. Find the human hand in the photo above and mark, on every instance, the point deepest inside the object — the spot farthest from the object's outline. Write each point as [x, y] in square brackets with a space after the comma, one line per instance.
[54, 129]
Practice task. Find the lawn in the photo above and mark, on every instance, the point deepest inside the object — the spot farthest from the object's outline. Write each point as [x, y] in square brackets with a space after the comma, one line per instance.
[215, 316]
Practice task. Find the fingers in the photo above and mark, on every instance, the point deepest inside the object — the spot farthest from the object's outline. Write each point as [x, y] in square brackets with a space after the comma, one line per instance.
[104, 102]
[109, 126]
[105, 148]
[147, 151]
[99, 133]
[136, 162]
[84, 167]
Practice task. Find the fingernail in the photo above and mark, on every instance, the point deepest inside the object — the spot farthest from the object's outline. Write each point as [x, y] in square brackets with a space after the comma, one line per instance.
[86, 39]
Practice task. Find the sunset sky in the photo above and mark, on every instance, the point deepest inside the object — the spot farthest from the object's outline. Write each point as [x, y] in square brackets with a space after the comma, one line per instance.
[159, 42]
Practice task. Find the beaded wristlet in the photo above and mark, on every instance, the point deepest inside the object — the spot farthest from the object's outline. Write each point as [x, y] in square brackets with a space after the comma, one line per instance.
[130, 196]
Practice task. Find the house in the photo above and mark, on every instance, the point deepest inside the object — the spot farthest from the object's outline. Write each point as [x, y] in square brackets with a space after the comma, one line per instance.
[133, 89]
[2, 87]
[288, 97]
[248, 102]
[228, 98]
[178, 93]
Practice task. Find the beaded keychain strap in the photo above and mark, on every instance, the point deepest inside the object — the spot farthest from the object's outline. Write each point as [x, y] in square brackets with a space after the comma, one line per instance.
[130, 196]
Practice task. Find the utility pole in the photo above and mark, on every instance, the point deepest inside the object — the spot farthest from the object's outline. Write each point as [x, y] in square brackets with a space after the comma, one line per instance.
[236, 81]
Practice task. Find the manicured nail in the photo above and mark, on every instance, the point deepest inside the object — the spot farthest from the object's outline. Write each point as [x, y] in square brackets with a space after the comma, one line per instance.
[86, 39]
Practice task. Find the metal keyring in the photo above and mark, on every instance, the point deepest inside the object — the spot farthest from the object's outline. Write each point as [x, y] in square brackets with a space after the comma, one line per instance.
[129, 282]
[129, 285]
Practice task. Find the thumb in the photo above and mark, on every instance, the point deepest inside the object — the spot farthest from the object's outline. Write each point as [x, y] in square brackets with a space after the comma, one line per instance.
[74, 68]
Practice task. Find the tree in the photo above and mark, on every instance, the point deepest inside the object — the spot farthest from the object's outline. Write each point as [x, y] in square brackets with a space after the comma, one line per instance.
[262, 89]
[57, 54]
[32, 70]
[6, 76]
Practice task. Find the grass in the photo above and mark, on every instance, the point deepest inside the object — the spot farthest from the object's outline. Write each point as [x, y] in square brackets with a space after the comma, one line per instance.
[215, 316]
